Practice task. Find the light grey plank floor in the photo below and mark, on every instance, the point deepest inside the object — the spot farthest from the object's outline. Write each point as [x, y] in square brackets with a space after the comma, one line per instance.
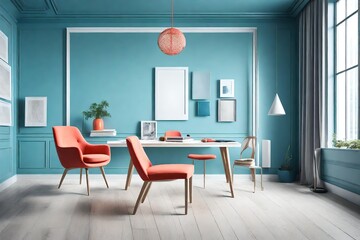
[33, 208]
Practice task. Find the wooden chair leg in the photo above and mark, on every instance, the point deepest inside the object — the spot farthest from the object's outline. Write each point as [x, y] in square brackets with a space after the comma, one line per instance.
[254, 170]
[262, 188]
[252, 173]
[186, 195]
[129, 174]
[80, 175]
[191, 188]
[63, 176]
[146, 192]
[140, 196]
[204, 172]
[103, 174]
[232, 175]
[87, 181]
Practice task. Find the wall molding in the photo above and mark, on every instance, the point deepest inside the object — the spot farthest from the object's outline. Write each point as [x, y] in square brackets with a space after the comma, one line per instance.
[252, 30]
[8, 182]
[350, 196]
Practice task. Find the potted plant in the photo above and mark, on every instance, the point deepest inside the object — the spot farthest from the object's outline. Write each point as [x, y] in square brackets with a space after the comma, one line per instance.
[97, 111]
[349, 144]
[286, 172]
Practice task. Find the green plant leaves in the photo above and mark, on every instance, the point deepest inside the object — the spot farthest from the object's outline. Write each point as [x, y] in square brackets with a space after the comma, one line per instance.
[97, 110]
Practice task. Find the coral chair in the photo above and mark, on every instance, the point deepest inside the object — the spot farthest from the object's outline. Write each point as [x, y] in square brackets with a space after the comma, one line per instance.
[75, 152]
[204, 158]
[249, 142]
[151, 173]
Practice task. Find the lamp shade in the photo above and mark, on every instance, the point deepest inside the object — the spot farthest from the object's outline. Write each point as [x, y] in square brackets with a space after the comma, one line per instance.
[277, 108]
[171, 41]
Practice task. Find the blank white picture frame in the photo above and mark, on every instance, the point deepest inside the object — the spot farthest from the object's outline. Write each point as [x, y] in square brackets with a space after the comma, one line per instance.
[35, 111]
[4, 50]
[171, 93]
[5, 114]
[5, 81]
[227, 110]
[200, 85]
[227, 88]
[148, 130]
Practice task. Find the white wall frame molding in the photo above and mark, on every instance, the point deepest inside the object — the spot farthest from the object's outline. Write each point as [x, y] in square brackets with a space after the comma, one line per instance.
[252, 30]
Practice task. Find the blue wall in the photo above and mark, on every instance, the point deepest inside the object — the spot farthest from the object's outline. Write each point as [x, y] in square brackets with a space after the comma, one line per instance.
[120, 69]
[341, 167]
[8, 134]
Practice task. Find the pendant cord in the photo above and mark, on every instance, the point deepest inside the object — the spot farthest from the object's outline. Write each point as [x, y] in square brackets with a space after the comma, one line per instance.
[172, 13]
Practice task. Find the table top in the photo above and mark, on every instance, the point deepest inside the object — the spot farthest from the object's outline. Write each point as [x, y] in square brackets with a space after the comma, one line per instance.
[188, 143]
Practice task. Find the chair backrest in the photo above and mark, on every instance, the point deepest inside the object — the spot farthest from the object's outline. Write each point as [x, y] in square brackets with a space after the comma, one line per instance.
[138, 156]
[172, 133]
[249, 142]
[65, 137]
[68, 136]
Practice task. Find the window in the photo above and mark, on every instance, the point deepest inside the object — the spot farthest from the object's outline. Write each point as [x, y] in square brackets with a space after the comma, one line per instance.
[347, 83]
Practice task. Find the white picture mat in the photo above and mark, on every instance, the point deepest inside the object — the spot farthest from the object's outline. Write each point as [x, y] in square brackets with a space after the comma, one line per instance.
[148, 130]
[227, 88]
[5, 81]
[5, 114]
[4, 50]
[201, 85]
[171, 93]
[227, 110]
[35, 111]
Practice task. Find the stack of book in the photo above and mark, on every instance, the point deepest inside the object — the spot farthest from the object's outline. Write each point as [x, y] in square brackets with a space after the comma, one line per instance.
[174, 139]
[103, 133]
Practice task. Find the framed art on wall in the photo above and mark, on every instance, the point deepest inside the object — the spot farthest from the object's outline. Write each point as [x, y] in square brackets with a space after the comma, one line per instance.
[5, 114]
[4, 47]
[227, 88]
[35, 111]
[171, 93]
[148, 130]
[201, 85]
[227, 110]
[5, 81]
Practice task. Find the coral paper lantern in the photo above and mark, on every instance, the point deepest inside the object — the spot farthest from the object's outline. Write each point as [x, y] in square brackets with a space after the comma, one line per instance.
[171, 41]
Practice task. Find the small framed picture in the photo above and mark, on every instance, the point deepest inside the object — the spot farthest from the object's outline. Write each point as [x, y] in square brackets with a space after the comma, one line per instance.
[227, 110]
[35, 111]
[4, 52]
[5, 80]
[5, 114]
[148, 130]
[227, 88]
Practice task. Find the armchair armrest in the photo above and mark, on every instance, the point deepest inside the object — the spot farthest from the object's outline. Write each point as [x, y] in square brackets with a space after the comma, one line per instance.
[97, 149]
[70, 157]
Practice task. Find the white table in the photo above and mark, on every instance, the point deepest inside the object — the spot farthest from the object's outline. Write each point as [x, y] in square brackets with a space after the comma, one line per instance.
[223, 146]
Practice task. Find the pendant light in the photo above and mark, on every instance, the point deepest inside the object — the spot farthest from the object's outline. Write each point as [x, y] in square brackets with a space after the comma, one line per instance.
[276, 108]
[171, 41]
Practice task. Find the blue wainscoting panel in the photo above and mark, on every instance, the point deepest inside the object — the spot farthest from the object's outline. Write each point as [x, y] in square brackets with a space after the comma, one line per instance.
[341, 167]
[32, 154]
[6, 163]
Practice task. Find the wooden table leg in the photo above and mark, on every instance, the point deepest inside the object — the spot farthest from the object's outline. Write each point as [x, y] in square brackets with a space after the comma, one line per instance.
[129, 174]
[227, 168]
[222, 157]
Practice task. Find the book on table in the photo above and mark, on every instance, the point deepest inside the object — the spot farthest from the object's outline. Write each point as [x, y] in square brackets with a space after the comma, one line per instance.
[103, 133]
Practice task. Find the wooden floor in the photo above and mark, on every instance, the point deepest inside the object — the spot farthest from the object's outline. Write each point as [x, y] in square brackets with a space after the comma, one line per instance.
[33, 208]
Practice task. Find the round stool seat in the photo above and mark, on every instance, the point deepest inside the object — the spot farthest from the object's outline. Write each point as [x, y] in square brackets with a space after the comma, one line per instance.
[202, 156]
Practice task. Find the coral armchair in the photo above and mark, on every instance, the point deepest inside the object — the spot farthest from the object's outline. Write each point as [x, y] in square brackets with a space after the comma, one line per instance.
[75, 152]
[163, 172]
